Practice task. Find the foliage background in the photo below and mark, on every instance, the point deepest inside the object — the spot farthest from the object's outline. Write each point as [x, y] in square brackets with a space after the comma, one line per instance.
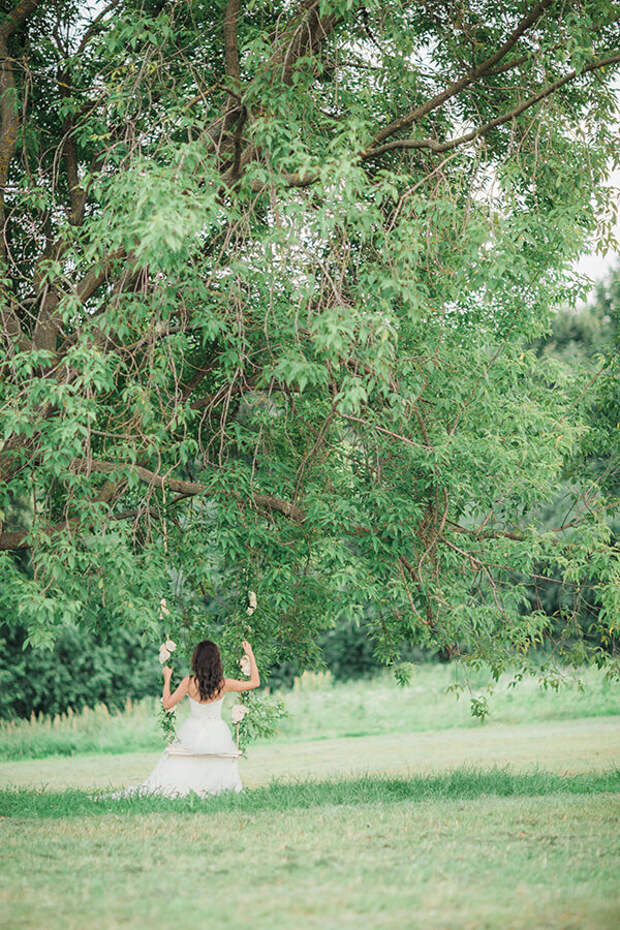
[86, 667]
[273, 281]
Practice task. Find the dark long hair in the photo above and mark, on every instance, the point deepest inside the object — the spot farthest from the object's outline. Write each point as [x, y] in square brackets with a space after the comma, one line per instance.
[207, 669]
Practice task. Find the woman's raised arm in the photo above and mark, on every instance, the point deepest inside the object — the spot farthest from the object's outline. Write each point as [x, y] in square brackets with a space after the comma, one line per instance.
[233, 684]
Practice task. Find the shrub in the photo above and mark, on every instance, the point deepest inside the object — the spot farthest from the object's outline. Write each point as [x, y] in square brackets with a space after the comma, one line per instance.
[83, 669]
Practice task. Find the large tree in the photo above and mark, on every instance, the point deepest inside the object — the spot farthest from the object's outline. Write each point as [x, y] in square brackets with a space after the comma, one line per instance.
[269, 272]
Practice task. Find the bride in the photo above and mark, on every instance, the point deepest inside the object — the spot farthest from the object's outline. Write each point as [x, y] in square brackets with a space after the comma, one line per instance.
[203, 756]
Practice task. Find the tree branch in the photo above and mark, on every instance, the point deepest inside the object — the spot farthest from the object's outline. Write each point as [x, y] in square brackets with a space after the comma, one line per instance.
[12, 331]
[387, 432]
[16, 17]
[307, 30]
[18, 539]
[187, 488]
[497, 534]
[9, 115]
[231, 50]
[457, 86]
[96, 275]
[436, 146]
[90, 32]
[77, 194]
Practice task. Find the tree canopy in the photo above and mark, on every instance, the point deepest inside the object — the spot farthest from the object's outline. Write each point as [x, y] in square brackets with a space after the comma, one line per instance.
[271, 275]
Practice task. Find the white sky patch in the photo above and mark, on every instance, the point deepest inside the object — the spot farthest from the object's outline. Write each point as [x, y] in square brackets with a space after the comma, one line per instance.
[599, 266]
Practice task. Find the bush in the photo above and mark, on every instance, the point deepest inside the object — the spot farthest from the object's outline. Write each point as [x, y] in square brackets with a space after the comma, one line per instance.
[82, 670]
[348, 651]
[85, 669]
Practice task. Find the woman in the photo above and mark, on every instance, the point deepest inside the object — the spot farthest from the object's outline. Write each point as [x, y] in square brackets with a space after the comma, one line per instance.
[203, 756]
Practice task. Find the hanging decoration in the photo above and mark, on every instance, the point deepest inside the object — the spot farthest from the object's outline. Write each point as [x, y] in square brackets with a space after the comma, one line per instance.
[167, 718]
[166, 649]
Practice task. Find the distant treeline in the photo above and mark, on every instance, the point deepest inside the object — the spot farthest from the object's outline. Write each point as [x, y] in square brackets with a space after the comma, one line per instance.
[85, 668]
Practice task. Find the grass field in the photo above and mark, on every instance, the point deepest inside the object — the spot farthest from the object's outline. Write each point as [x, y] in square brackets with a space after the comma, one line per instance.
[560, 746]
[320, 710]
[376, 807]
[485, 862]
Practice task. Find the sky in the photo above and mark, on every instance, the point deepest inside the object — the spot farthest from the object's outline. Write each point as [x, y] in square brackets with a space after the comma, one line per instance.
[598, 267]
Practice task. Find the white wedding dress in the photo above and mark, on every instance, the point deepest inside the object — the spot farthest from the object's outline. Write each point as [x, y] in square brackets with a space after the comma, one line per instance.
[202, 758]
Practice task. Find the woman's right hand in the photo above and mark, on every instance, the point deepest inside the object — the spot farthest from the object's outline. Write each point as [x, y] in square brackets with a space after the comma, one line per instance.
[247, 648]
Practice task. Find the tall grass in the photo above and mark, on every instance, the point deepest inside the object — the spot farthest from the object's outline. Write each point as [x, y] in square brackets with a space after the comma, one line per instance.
[93, 730]
[320, 709]
[463, 784]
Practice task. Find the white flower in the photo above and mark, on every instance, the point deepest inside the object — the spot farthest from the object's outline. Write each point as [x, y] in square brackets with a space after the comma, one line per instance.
[166, 649]
[252, 599]
[162, 608]
[245, 666]
[250, 611]
[238, 712]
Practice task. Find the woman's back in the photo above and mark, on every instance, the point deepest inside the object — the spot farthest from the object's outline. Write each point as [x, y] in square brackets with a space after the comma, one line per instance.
[193, 691]
[205, 710]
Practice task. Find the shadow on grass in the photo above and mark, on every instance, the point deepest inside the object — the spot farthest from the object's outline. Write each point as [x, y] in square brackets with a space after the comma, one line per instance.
[460, 784]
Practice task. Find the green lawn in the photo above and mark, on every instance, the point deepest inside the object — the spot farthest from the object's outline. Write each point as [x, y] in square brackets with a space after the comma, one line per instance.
[430, 819]
[563, 746]
[526, 862]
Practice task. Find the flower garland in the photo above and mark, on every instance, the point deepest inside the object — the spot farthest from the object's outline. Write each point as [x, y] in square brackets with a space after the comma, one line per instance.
[167, 718]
